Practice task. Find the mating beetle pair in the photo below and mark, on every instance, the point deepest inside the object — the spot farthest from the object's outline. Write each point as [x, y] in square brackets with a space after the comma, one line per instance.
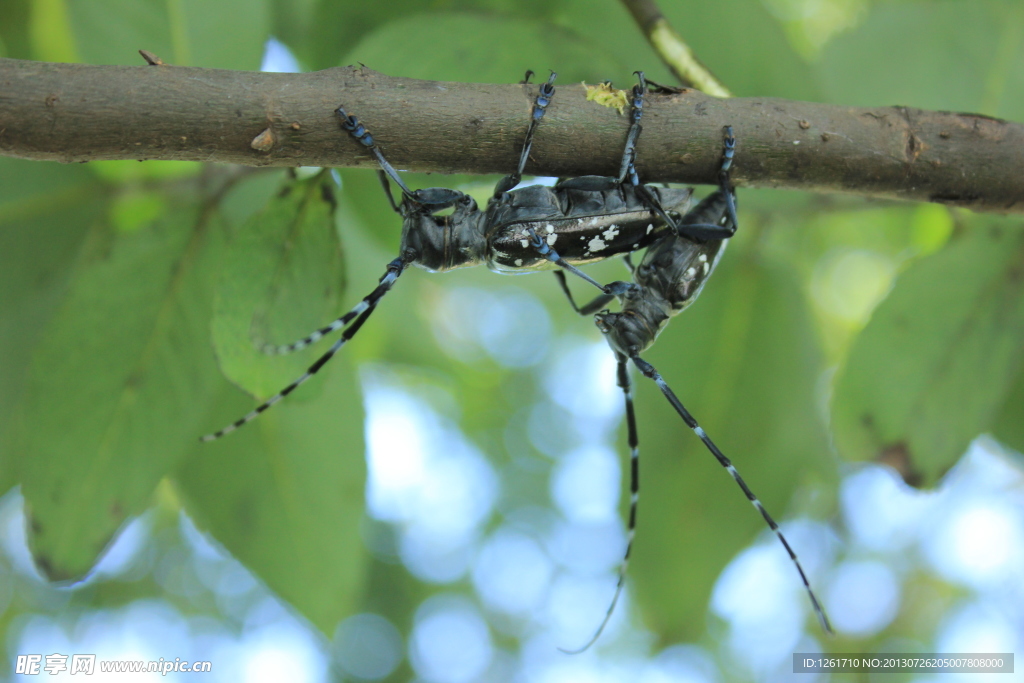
[578, 221]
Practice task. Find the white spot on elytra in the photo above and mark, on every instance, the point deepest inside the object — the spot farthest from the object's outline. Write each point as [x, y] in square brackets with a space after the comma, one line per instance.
[691, 271]
[519, 262]
[525, 243]
[702, 258]
[707, 268]
[549, 228]
[551, 239]
[611, 232]
[636, 246]
[596, 244]
[650, 227]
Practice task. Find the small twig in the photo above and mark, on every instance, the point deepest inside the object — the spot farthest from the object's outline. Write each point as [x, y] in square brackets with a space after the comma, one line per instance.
[673, 50]
[151, 58]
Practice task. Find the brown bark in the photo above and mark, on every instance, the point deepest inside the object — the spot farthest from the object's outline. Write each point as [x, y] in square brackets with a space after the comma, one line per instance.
[73, 113]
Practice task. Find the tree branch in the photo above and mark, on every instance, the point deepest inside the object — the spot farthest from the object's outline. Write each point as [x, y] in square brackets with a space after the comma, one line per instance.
[72, 112]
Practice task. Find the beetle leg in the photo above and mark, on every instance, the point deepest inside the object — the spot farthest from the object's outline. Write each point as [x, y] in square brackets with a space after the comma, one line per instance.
[540, 104]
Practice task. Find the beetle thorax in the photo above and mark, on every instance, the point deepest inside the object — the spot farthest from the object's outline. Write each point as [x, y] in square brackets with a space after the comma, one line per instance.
[445, 242]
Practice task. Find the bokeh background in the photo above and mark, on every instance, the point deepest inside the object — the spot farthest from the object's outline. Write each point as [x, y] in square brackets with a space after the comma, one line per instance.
[444, 502]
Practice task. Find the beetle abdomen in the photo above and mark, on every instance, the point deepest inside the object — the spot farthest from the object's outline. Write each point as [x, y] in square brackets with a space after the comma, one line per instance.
[579, 240]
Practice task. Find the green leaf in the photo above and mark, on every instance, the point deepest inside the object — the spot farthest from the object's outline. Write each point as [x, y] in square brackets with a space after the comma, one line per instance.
[610, 31]
[743, 359]
[118, 385]
[935, 363]
[337, 26]
[15, 29]
[745, 46]
[292, 22]
[1009, 426]
[45, 214]
[978, 46]
[483, 49]
[31, 188]
[224, 34]
[249, 195]
[284, 494]
[363, 196]
[282, 278]
[51, 33]
[130, 172]
[492, 41]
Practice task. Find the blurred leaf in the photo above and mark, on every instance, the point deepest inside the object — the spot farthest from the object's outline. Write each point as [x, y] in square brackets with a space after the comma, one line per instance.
[117, 386]
[1009, 425]
[931, 227]
[223, 34]
[811, 25]
[364, 195]
[744, 46]
[285, 493]
[887, 230]
[282, 279]
[292, 22]
[249, 195]
[934, 366]
[951, 55]
[399, 330]
[45, 213]
[51, 32]
[393, 593]
[495, 41]
[743, 360]
[338, 25]
[611, 32]
[472, 52]
[15, 32]
[226, 34]
[131, 171]
[31, 188]
[132, 210]
[848, 252]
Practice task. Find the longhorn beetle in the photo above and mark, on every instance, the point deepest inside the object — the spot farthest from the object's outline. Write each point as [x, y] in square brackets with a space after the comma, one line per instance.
[578, 221]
